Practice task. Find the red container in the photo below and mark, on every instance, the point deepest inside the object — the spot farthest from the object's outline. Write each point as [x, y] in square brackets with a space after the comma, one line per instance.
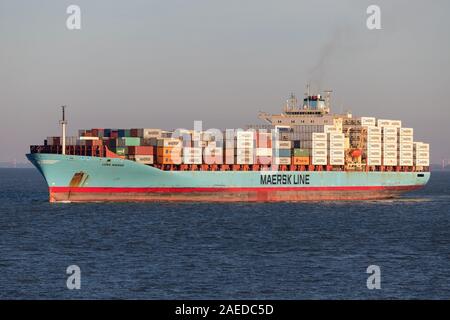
[134, 133]
[141, 150]
[114, 134]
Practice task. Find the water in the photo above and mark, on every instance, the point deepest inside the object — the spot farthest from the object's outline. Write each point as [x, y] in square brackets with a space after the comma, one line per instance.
[223, 251]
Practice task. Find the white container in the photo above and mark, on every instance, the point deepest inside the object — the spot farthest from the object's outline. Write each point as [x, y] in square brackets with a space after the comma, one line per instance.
[406, 139]
[263, 152]
[337, 145]
[389, 146]
[241, 152]
[319, 153]
[389, 131]
[406, 162]
[245, 144]
[282, 160]
[368, 121]
[374, 154]
[420, 146]
[336, 137]
[373, 130]
[383, 123]
[150, 133]
[390, 154]
[374, 146]
[390, 161]
[319, 161]
[320, 145]
[422, 162]
[144, 159]
[406, 154]
[374, 161]
[336, 153]
[396, 123]
[283, 144]
[406, 131]
[337, 161]
[406, 147]
[374, 139]
[422, 155]
[245, 135]
[87, 138]
[390, 139]
[330, 129]
[244, 160]
[188, 151]
[318, 136]
[192, 159]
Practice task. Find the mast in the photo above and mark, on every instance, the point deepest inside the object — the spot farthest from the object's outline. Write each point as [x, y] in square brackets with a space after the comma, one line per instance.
[63, 123]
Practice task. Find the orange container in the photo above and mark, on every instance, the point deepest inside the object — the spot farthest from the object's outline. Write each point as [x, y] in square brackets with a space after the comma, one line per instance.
[169, 155]
[300, 161]
[140, 150]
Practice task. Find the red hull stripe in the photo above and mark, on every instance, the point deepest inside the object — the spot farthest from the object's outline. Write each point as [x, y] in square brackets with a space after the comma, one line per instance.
[225, 189]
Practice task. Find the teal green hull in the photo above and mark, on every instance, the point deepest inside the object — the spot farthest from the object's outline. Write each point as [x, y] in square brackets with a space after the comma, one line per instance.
[79, 178]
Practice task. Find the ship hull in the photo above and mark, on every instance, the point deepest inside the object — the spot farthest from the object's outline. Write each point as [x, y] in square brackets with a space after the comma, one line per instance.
[91, 179]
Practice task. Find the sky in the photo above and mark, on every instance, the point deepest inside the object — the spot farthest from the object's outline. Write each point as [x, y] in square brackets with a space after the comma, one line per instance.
[166, 63]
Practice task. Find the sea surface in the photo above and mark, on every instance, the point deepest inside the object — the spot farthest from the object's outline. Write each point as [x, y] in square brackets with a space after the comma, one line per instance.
[318, 250]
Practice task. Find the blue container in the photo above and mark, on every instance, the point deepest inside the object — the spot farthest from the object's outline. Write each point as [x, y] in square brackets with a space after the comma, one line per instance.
[282, 153]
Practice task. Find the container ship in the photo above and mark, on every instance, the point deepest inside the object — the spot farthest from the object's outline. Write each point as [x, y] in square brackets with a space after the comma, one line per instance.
[305, 153]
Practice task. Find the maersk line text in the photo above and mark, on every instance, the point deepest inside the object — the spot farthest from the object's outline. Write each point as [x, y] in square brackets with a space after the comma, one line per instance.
[284, 179]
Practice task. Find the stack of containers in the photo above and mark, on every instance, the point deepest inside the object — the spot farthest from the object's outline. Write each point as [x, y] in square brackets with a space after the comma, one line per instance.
[230, 147]
[421, 154]
[282, 152]
[336, 149]
[245, 144]
[169, 151]
[319, 149]
[405, 147]
[263, 148]
[390, 141]
[192, 155]
[373, 145]
[141, 154]
[300, 156]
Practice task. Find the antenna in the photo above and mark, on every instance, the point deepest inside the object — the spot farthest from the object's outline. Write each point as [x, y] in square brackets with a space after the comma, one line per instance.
[63, 123]
[307, 94]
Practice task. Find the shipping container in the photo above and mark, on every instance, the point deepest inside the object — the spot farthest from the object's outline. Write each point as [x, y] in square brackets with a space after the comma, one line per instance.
[374, 161]
[282, 160]
[282, 153]
[337, 161]
[144, 159]
[245, 135]
[300, 160]
[406, 162]
[190, 151]
[406, 131]
[389, 146]
[422, 162]
[189, 159]
[406, 139]
[390, 161]
[388, 131]
[263, 159]
[337, 145]
[406, 147]
[368, 121]
[376, 131]
[336, 137]
[390, 154]
[264, 152]
[317, 136]
[320, 145]
[390, 139]
[245, 152]
[283, 144]
[320, 152]
[169, 142]
[319, 161]
[245, 144]
[336, 153]
[420, 146]
[301, 152]
[374, 139]
[141, 150]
